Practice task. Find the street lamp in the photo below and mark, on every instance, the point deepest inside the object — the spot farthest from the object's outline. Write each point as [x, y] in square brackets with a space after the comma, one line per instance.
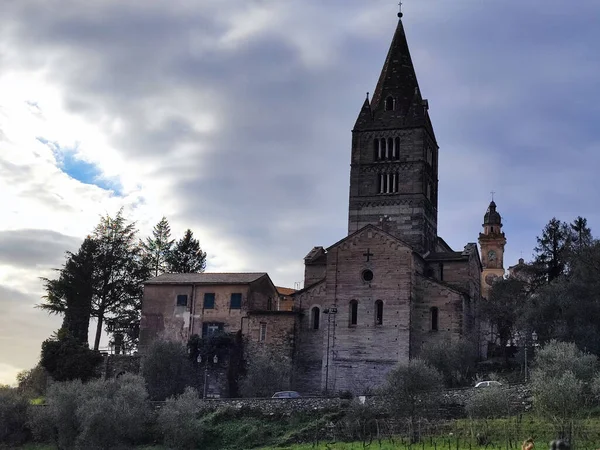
[215, 360]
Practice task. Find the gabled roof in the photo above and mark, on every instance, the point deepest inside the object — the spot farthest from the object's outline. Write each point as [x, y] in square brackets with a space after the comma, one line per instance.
[207, 278]
[444, 283]
[285, 291]
[374, 228]
[447, 256]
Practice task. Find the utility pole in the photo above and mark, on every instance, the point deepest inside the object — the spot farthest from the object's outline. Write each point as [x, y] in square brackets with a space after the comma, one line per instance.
[329, 312]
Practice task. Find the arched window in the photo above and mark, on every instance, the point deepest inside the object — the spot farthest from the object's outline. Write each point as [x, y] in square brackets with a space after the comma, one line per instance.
[353, 313]
[315, 318]
[376, 150]
[378, 312]
[434, 313]
[384, 148]
[389, 103]
[397, 148]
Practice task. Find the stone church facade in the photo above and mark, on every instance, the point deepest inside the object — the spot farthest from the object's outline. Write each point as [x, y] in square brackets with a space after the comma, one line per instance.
[375, 297]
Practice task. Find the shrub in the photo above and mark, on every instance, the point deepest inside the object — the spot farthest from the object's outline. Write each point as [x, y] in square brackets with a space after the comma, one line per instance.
[33, 382]
[65, 358]
[488, 403]
[13, 417]
[178, 420]
[411, 390]
[556, 358]
[266, 373]
[558, 398]
[455, 361]
[100, 413]
[166, 369]
[112, 412]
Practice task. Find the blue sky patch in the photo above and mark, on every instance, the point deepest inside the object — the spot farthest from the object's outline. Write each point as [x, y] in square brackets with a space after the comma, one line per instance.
[80, 170]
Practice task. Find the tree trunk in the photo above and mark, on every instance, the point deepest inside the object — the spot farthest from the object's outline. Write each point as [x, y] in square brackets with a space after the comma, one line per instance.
[99, 328]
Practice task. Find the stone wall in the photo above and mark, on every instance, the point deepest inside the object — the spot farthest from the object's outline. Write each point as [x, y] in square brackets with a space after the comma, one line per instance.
[451, 404]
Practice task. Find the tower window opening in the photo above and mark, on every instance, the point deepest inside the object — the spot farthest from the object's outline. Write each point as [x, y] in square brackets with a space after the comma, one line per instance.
[388, 183]
[353, 313]
[389, 103]
[376, 150]
[434, 313]
[441, 271]
[397, 148]
[379, 312]
[392, 150]
[385, 148]
[316, 317]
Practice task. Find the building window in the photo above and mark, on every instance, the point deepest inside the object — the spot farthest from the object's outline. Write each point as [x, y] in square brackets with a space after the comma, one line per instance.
[389, 103]
[388, 183]
[209, 300]
[182, 300]
[441, 271]
[269, 304]
[236, 301]
[262, 332]
[353, 312]
[434, 313]
[367, 275]
[379, 312]
[316, 318]
[211, 328]
[397, 148]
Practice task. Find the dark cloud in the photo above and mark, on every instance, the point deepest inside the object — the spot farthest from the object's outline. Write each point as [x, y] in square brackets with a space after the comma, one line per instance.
[252, 136]
[35, 248]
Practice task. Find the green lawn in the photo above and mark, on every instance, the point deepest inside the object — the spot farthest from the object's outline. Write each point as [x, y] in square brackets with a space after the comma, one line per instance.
[231, 432]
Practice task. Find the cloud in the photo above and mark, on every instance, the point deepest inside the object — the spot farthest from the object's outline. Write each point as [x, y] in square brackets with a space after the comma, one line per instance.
[35, 248]
[234, 120]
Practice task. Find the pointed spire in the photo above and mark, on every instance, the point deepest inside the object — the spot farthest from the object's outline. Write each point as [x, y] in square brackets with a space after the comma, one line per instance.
[397, 100]
[398, 77]
[365, 116]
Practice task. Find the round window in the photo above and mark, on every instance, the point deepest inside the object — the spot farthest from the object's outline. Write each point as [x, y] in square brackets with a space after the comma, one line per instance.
[367, 275]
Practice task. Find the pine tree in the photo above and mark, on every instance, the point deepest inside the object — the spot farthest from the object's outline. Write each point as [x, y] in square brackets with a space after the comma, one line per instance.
[157, 247]
[72, 292]
[553, 248]
[121, 272]
[581, 235]
[187, 256]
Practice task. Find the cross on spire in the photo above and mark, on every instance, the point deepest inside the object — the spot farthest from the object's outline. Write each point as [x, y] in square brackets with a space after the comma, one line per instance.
[400, 9]
[493, 192]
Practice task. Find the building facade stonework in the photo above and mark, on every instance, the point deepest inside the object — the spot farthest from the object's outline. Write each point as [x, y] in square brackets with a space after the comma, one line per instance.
[375, 297]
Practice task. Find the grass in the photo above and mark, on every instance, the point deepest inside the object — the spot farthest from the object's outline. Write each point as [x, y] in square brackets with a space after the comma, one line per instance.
[238, 429]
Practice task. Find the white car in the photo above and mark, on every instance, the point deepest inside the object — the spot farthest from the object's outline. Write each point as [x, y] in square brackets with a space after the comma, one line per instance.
[482, 384]
[286, 394]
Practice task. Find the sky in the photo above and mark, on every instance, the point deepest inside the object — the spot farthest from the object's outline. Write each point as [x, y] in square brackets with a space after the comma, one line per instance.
[233, 119]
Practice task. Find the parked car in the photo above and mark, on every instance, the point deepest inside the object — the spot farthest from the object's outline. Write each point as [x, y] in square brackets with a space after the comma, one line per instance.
[482, 384]
[286, 394]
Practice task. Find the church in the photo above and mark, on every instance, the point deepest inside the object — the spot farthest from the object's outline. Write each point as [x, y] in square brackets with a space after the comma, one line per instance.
[376, 296]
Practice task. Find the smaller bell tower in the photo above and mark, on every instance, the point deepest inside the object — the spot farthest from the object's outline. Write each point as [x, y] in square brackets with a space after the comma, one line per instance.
[492, 242]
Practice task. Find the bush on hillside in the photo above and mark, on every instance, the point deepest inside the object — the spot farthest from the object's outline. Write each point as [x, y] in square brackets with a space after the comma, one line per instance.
[166, 369]
[488, 403]
[454, 360]
[178, 420]
[113, 412]
[266, 373]
[13, 417]
[98, 414]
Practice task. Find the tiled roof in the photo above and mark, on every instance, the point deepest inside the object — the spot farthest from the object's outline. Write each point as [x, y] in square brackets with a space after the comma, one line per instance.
[446, 256]
[206, 278]
[285, 291]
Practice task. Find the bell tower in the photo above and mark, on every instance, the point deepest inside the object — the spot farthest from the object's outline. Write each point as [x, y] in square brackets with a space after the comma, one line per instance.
[492, 242]
[394, 163]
